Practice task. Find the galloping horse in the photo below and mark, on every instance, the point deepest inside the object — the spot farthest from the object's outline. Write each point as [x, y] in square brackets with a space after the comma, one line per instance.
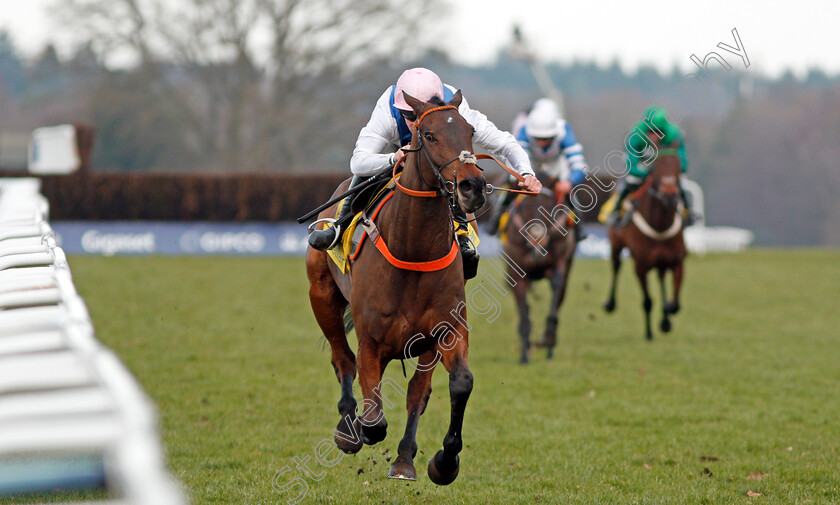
[545, 253]
[654, 236]
[406, 289]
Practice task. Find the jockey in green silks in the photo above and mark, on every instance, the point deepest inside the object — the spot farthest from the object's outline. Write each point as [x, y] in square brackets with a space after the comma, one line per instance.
[638, 148]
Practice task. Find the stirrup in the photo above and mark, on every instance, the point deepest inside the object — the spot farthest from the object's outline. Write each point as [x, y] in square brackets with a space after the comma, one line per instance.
[311, 228]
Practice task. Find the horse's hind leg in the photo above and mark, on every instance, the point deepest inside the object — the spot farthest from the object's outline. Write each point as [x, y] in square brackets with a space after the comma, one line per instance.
[647, 303]
[444, 466]
[609, 305]
[520, 292]
[665, 324]
[419, 389]
[328, 305]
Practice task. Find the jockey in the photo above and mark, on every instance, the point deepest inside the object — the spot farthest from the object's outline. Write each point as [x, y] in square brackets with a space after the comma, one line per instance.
[553, 150]
[390, 127]
[638, 149]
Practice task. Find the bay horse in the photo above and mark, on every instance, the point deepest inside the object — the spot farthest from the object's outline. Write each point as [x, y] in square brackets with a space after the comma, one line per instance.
[406, 289]
[541, 245]
[654, 236]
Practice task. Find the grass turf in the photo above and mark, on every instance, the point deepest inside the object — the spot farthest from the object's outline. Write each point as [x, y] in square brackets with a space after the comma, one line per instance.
[745, 386]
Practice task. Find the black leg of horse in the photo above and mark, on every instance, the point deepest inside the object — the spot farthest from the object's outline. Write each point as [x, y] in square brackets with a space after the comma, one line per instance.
[443, 468]
[674, 306]
[665, 324]
[609, 305]
[348, 434]
[520, 292]
[419, 389]
[558, 293]
[647, 303]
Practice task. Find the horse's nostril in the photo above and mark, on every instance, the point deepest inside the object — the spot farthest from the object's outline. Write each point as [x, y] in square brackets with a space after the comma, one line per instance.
[466, 187]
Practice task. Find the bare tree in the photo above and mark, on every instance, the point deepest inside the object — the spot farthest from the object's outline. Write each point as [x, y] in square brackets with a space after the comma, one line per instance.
[251, 81]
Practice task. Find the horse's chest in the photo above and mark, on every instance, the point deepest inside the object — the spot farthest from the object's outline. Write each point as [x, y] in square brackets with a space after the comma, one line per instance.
[667, 253]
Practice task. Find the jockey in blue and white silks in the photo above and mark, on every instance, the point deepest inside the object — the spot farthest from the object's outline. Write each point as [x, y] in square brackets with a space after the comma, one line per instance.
[546, 137]
[553, 150]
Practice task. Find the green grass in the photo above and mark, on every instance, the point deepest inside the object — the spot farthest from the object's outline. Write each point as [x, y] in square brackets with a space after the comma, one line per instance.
[747, 382]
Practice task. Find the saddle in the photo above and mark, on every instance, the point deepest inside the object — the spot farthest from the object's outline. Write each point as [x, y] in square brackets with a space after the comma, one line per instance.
[351, 241]
[368, 204]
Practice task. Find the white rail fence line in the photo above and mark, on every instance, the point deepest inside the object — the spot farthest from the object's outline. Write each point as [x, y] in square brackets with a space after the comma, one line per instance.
[71, 415]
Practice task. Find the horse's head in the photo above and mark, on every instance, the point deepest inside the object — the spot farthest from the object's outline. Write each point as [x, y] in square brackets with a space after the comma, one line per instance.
[446, 161]
[665, 175]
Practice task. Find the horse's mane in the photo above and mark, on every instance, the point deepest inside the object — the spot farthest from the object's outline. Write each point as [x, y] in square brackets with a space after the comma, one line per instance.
[543, 177]
[437, 101]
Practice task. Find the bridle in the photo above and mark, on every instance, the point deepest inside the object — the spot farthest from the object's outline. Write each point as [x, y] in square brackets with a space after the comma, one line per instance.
[654, 188]
[446, 188]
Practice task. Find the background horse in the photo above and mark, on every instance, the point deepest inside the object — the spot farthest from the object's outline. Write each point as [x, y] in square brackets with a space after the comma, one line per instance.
[654, 236]
[400, 311]
[541, 244]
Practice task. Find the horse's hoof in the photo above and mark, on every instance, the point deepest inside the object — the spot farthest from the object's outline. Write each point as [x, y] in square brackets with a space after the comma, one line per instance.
[523, 360]
[374, 434]
[665, 325]
[649, 336]
[550, 353]
[440, 473]
[349, 444]
[672, 308]
[402, 469]
[609, 305]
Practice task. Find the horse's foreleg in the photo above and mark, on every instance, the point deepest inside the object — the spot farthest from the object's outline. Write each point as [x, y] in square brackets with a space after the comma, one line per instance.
[609, 305]
[558, 293]
[647, 303]
[419, 389]
[328, 306]
[520, 292]
[443, 468]
[673, 306]
[370, 365]
[665, 324]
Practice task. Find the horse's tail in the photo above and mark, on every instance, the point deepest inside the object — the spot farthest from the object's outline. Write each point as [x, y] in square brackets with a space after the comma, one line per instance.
[348, 320]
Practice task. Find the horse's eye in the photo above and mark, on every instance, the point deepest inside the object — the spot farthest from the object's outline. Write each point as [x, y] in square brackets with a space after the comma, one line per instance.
[473, 132]
[428, 136]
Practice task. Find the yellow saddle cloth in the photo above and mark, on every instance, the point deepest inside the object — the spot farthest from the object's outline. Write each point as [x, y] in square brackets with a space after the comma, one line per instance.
[353, 238]
[607, 208]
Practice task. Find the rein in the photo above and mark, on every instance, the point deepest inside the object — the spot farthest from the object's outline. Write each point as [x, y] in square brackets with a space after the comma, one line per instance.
[447, 188]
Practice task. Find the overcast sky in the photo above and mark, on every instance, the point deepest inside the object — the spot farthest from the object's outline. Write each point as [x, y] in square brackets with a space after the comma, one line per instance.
[776, 35]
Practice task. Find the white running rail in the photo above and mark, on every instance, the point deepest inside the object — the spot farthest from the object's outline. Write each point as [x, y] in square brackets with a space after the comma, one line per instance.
[71, 415]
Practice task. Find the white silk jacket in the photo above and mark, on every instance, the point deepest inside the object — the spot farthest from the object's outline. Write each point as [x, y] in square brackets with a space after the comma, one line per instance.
[380, 138]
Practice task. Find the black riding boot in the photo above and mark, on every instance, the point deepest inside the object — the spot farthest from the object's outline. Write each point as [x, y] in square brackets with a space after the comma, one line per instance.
[329, 237]
[689, 214]
[493, 226]
[469, 256]
[627, 189]
[580, 231]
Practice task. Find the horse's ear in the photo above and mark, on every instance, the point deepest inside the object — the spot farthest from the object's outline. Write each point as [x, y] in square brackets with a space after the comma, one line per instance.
[415, 103]
[456, 100]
